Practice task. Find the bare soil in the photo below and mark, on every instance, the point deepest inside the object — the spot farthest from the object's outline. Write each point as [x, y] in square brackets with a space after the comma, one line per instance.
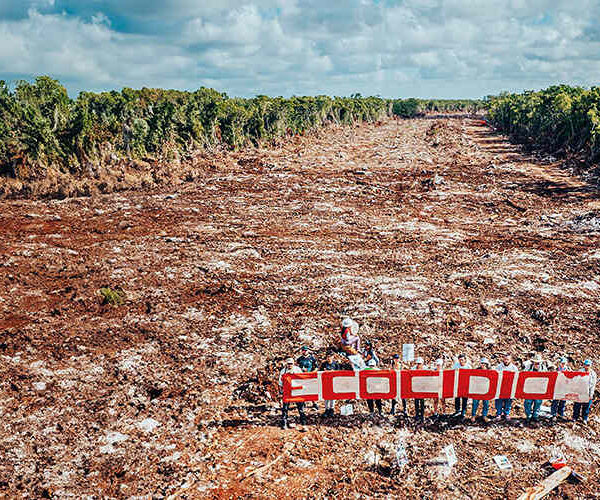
[431, 231]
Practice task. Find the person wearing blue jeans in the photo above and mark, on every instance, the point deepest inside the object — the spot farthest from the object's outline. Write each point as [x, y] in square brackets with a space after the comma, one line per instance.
[557, 407]
[460, 404]
[583, 409]
[504, 405]
[484, 364]
[532, 409]
[485, 408]
[532, 406]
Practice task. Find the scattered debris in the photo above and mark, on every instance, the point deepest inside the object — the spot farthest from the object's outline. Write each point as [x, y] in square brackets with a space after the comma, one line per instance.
[347, 410]
[547, 485]
[502, 462]
[245, 265]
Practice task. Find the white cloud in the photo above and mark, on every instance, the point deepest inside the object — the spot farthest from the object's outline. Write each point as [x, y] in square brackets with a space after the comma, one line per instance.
[426, 47]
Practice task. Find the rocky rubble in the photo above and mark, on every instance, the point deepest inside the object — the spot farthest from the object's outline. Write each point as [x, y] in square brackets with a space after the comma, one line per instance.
[434, 232]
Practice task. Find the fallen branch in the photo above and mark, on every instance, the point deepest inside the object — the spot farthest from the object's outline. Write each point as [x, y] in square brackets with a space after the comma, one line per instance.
[547, 485]
[286, 449]
[513, 205]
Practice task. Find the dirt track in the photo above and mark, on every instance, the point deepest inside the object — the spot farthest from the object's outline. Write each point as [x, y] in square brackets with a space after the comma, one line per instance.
[435, 232]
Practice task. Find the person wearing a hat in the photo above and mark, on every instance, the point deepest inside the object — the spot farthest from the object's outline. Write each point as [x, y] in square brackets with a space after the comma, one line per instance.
[583, 409]
[419, 402]
[330, 365]
[532, 406]
[350, 344]
[484, 364]
[504, 405]
[439, 402]
[307, 361]
[460, 404]
[558, 406]
[349, 337]
[397, 366]
[290, 367]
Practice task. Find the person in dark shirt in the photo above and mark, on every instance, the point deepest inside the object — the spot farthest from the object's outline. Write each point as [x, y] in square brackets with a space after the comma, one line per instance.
[330, 365]
[307, 361]
[372, 362]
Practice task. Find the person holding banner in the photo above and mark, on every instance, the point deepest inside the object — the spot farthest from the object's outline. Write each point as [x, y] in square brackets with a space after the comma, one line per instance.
[372, 362]
[330, 365]
[290, 367]
[503, 405]
[484, 364]
[460, 404]
[439, 402]
[397, 365]
[558, 405]
[419, 402]
[532, 406]
[583, 409]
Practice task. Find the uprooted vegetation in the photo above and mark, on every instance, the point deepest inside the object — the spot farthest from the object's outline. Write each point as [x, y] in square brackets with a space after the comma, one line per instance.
[468, 245]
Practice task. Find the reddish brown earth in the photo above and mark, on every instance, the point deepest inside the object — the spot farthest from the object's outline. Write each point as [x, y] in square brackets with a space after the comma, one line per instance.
[226, 276]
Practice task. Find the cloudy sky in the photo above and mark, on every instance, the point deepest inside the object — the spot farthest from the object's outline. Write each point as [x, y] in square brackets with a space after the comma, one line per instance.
[421, 48]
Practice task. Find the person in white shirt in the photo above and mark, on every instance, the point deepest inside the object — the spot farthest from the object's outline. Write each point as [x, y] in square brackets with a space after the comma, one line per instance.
[290, 367]
[558, 405]
[583, 409]
[503, 405]
[532, 406]
[460, 404]
[484, 364]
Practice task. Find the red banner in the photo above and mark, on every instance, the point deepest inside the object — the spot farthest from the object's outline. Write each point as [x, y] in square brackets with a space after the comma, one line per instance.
[413, 384]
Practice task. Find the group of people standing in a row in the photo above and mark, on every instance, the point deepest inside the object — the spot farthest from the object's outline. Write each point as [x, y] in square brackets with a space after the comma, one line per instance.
[366, 358]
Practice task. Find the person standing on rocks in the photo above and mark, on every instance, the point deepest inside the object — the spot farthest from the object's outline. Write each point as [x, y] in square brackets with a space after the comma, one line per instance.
[557, 406]
[532, 406]
[583, 409]
[503, 405]
[484, 364]
[290, 367]
[397, 366]
[330, 365]
[419, 402]
[350, 343]
[460, 404]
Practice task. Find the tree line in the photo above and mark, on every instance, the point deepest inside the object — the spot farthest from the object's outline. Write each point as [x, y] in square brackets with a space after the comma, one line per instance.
[41, 126]
[560, 119]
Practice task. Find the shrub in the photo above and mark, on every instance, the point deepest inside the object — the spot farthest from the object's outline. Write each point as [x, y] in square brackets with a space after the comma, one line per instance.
[112, 297]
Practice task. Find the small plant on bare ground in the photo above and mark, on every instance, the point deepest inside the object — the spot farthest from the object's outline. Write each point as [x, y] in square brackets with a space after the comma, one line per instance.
[113, 297]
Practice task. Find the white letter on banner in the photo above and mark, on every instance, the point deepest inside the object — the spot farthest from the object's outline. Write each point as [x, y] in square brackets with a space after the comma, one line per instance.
[345, 384]
[535, 385]
[478, 385]
[378, 385]
[426, 384]
[572, 389]
[305, 387]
